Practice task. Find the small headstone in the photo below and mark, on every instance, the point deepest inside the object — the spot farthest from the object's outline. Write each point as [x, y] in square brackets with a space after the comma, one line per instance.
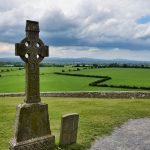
[69, 129]
[32, 128]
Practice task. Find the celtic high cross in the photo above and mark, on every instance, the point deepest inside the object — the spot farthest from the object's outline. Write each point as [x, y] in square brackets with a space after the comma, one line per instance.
[32, 51]
[32, 125]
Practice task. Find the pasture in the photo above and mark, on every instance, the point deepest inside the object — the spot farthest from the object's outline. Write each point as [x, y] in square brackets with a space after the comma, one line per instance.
[14, 80]
[98, 117]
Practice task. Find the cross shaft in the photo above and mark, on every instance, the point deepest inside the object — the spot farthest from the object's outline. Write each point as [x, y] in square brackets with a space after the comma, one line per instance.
[32, 51]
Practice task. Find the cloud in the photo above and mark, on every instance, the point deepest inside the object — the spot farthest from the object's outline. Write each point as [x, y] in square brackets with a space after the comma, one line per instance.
[78, 52]
[101, 24]
[6, 49]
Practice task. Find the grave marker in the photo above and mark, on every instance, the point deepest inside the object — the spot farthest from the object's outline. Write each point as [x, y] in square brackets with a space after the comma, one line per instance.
[32, 128]
[69, 129]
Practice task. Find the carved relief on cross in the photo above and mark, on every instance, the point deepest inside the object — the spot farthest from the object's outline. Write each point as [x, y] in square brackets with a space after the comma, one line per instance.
[32, 51]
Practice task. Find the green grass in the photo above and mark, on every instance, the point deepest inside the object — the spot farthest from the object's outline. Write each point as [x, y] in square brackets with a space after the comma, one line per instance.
[14, 81]
[123, 76]
[98, 117]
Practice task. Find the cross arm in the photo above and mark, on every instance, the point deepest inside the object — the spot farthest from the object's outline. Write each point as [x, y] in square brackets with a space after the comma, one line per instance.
[44, 51]
[20, 49]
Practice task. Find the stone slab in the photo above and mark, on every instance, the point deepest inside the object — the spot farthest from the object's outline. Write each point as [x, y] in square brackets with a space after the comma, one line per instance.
[69, 129]
[32, 123]
[41, 143]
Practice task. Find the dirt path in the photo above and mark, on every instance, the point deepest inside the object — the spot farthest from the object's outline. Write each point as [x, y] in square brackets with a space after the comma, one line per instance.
[133, 135]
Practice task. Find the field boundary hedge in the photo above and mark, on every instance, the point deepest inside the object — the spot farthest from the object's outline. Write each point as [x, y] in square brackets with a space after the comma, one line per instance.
[81, 75]
[98, 83]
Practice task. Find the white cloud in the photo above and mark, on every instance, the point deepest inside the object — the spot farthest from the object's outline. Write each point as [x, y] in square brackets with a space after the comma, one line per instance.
[78, 52]
[6, 49]
[109, 25]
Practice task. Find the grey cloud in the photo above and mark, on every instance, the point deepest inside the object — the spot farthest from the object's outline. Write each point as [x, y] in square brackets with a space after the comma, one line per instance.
[7, 5]
[89, 27]
[56, 21]
[11, 34]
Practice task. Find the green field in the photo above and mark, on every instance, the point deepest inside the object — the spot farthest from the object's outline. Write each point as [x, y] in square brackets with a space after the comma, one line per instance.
[14, 81]
[123, 76]
[98, 117]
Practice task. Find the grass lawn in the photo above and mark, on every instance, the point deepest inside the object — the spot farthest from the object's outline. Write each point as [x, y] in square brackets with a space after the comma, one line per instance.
[14, 81]
[98, 117]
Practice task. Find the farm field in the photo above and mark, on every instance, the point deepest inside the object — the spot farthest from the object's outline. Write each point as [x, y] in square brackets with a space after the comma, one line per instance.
[14, 80]
[98, 117]
[123, 76]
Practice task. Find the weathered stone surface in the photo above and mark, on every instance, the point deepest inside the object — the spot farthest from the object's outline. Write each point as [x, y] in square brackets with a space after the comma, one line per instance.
[32, 128]
[32, 51]
[41, 143]
[69, 129]
[112, 95]
[32, 121]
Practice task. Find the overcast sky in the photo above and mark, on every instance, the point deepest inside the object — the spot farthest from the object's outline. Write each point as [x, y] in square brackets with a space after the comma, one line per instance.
[104, 29]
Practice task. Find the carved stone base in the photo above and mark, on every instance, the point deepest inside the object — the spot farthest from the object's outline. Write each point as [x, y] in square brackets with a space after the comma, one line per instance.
[42, 143]
[32, 128]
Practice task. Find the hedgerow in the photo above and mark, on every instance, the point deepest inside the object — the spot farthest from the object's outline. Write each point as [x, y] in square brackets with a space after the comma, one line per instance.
[98, 83]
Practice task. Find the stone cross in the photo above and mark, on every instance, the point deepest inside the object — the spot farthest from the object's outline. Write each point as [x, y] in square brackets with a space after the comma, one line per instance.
[32, 51]
[32, 126]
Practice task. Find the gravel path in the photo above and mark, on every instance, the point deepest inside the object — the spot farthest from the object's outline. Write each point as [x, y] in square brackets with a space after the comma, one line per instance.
[133, 135]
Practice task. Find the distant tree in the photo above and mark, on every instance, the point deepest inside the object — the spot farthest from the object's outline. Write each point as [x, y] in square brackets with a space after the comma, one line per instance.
[142, 66]
[20, 68]
[125, 65]
[83, 65]
[77, 65]
[113, 65]
[95, 65]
